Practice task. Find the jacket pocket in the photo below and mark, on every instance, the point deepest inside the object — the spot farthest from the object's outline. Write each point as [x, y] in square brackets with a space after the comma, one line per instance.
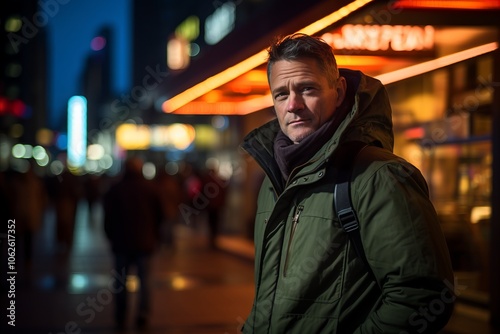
[313, 260]
[295, 222]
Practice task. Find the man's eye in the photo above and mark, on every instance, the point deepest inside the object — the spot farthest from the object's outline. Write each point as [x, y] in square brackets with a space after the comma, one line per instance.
[280, 96]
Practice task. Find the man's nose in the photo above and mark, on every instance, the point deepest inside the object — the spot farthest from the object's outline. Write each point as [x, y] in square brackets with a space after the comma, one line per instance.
[295, 102]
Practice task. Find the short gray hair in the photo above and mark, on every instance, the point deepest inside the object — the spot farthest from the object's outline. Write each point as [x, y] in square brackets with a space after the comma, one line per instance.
[300, 45]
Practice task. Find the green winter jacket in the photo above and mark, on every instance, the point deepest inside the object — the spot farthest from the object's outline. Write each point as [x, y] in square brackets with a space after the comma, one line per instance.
[308, 277]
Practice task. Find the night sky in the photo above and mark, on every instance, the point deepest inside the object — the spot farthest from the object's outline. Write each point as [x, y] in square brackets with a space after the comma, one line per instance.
[70, 32]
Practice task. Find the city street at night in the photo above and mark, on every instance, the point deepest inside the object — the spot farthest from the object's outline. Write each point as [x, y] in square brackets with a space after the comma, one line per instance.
[157, 156]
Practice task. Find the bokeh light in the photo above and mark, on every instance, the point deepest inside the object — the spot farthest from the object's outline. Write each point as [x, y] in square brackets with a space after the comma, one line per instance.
[98, 43]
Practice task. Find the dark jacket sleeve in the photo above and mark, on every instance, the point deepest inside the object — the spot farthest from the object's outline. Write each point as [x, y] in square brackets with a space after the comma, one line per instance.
[406, 249]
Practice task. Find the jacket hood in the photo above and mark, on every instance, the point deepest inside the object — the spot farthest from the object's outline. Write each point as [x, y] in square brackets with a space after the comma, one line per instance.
[369, 120]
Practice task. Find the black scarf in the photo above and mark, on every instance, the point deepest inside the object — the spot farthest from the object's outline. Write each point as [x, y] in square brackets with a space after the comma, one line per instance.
[289, 155]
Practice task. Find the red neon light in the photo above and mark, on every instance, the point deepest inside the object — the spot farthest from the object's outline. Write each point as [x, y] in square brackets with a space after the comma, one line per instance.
[451, 4]
[415, 133]
[3, 105]
[17, 108]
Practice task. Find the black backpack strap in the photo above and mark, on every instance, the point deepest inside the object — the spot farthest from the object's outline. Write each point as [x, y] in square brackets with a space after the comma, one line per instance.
[346, 214]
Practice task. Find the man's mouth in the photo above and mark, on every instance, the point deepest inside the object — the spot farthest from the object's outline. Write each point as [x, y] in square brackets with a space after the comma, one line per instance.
[297, 121]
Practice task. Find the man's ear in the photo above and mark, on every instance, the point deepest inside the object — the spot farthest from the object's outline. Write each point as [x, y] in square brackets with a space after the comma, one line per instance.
[341, 90]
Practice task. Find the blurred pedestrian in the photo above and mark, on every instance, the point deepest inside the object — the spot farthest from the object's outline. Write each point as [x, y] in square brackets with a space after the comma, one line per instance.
[215, 189]
[28, 206]
[93, 194]
[170, 188]
[132, 217]
[65, 191]
[193, 200]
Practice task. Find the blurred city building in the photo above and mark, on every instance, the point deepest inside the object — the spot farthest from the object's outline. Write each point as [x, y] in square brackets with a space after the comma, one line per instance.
[23, 93]
[96, 77]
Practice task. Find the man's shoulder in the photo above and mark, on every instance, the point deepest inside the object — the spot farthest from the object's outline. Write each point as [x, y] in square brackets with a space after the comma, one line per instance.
[358, 156]
[374, 161]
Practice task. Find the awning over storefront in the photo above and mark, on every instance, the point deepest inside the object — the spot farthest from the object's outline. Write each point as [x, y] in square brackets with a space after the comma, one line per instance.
[391, 40]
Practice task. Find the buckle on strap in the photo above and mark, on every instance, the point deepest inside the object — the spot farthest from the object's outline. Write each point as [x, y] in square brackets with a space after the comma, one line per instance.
[348, 219]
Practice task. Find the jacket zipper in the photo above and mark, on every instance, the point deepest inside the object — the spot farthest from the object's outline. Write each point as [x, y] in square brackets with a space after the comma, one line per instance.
[295, 222]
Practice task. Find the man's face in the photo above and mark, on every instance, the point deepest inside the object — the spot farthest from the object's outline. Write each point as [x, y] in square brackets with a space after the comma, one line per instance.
[302, 98]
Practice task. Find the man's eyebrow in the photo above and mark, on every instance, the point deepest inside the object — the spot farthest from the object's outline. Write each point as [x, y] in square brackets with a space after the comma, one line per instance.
[304, 83]
[307, 83]
[279, 89]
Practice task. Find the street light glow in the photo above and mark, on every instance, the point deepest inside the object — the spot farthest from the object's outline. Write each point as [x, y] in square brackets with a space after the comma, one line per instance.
[77, 131]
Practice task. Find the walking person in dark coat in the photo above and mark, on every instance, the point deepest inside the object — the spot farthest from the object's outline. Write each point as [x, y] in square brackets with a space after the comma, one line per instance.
[215, 190]
[132, 217]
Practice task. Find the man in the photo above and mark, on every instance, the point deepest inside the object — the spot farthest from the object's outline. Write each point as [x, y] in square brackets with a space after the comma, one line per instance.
[132, 217]
[308, 276]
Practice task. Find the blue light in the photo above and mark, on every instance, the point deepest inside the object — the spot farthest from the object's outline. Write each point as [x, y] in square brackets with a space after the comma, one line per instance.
[79, 281]
[77, 131]
[62, 142]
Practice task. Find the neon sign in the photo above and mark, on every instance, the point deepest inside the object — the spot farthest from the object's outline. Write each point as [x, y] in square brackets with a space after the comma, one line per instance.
[381, 38]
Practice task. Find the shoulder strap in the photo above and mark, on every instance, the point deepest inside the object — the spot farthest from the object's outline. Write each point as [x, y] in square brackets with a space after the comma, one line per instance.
[344, 163]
